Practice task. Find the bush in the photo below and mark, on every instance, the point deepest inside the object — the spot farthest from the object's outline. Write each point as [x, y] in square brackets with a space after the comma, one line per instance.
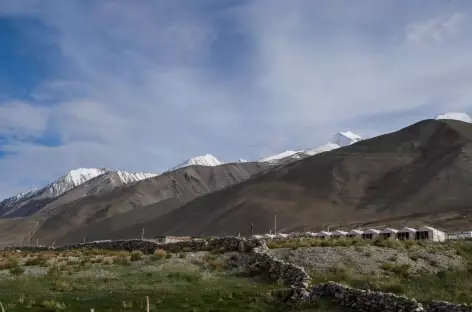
[271, 244]
[136, 255]
[17, 270]
[159, 254]
[121, 260]
[387, 266]
[33, 261]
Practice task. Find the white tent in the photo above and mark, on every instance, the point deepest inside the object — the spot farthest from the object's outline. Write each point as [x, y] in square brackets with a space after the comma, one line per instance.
[406, 233]
[281, 235]
[354, 234]
[389, 233]
[324, 234]
[370, 234]
[338, 234]
[429, 233]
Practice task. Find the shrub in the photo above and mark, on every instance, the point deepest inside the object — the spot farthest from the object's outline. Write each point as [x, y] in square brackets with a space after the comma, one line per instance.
[393, 258]
[159, 254]
[33, 261]
[17, 270]
[54, 272]
[337, 269]
[53, 305]
[181, 255]
[121, 260]
[136, 255]
[271, 244]
[387, 266]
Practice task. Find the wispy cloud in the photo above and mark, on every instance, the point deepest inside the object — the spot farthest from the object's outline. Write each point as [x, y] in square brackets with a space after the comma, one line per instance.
[143, 87]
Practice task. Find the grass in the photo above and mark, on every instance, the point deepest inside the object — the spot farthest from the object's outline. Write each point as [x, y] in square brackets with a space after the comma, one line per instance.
[172, 284]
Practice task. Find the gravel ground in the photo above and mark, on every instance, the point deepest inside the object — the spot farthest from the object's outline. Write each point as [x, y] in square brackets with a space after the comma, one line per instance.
[368, 260]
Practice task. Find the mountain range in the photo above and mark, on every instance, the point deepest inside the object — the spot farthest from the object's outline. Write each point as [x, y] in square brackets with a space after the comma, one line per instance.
[420, 171]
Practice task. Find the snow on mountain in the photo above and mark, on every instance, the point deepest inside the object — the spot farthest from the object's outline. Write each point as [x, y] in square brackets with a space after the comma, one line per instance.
[72, 179]
[340, 139]
[345, 138]
[320, 149]
[69, 181]
[241, 160]
[455, 116]
[128, 177]
[206, 160]
[277, 157]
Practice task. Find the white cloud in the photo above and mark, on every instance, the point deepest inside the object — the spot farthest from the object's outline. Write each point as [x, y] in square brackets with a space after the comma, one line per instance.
[21, 119]
[144, 87]
[436, 29]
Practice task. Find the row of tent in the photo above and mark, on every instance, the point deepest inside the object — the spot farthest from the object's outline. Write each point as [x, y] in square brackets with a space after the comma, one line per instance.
[406, 233]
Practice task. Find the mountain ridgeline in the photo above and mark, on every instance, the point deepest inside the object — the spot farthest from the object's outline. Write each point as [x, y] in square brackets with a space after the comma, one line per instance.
[421, 172]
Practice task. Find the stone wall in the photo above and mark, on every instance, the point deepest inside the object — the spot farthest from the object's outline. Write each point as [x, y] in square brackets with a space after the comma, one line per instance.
[375, 301]
[442, 306]
[365, 300]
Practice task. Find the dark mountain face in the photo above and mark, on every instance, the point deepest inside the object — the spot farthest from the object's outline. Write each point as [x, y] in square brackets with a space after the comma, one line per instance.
[421, 170]
[122, 207]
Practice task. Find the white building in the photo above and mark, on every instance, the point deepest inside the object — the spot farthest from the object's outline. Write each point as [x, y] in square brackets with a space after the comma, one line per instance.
[388, 233]
[324, 235]
[354, 234]
[406, 234]
[338, 234]
[431, 234]
[460, 235]
[370, 234]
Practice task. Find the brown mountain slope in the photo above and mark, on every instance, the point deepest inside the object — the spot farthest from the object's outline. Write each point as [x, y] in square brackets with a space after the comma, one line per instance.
[423, 169]
[174, 188]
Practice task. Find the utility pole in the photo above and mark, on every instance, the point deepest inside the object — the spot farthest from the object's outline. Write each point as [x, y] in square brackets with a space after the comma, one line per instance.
[252, 228]
[84, 239]
[275, 224]
[142, 234]
[37, 242]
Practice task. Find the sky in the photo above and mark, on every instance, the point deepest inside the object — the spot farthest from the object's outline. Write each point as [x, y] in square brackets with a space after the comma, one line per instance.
[144, 85]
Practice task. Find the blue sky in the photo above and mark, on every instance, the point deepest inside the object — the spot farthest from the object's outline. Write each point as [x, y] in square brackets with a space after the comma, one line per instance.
[144, 86]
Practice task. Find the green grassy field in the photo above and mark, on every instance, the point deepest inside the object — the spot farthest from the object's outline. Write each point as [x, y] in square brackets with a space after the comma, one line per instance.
[121, 282]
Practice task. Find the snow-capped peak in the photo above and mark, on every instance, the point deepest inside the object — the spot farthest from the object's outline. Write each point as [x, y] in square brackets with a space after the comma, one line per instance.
[72, 179]
[455, 116]
[345, 138]
[340, 139]
[241, 160]
[205, 160]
